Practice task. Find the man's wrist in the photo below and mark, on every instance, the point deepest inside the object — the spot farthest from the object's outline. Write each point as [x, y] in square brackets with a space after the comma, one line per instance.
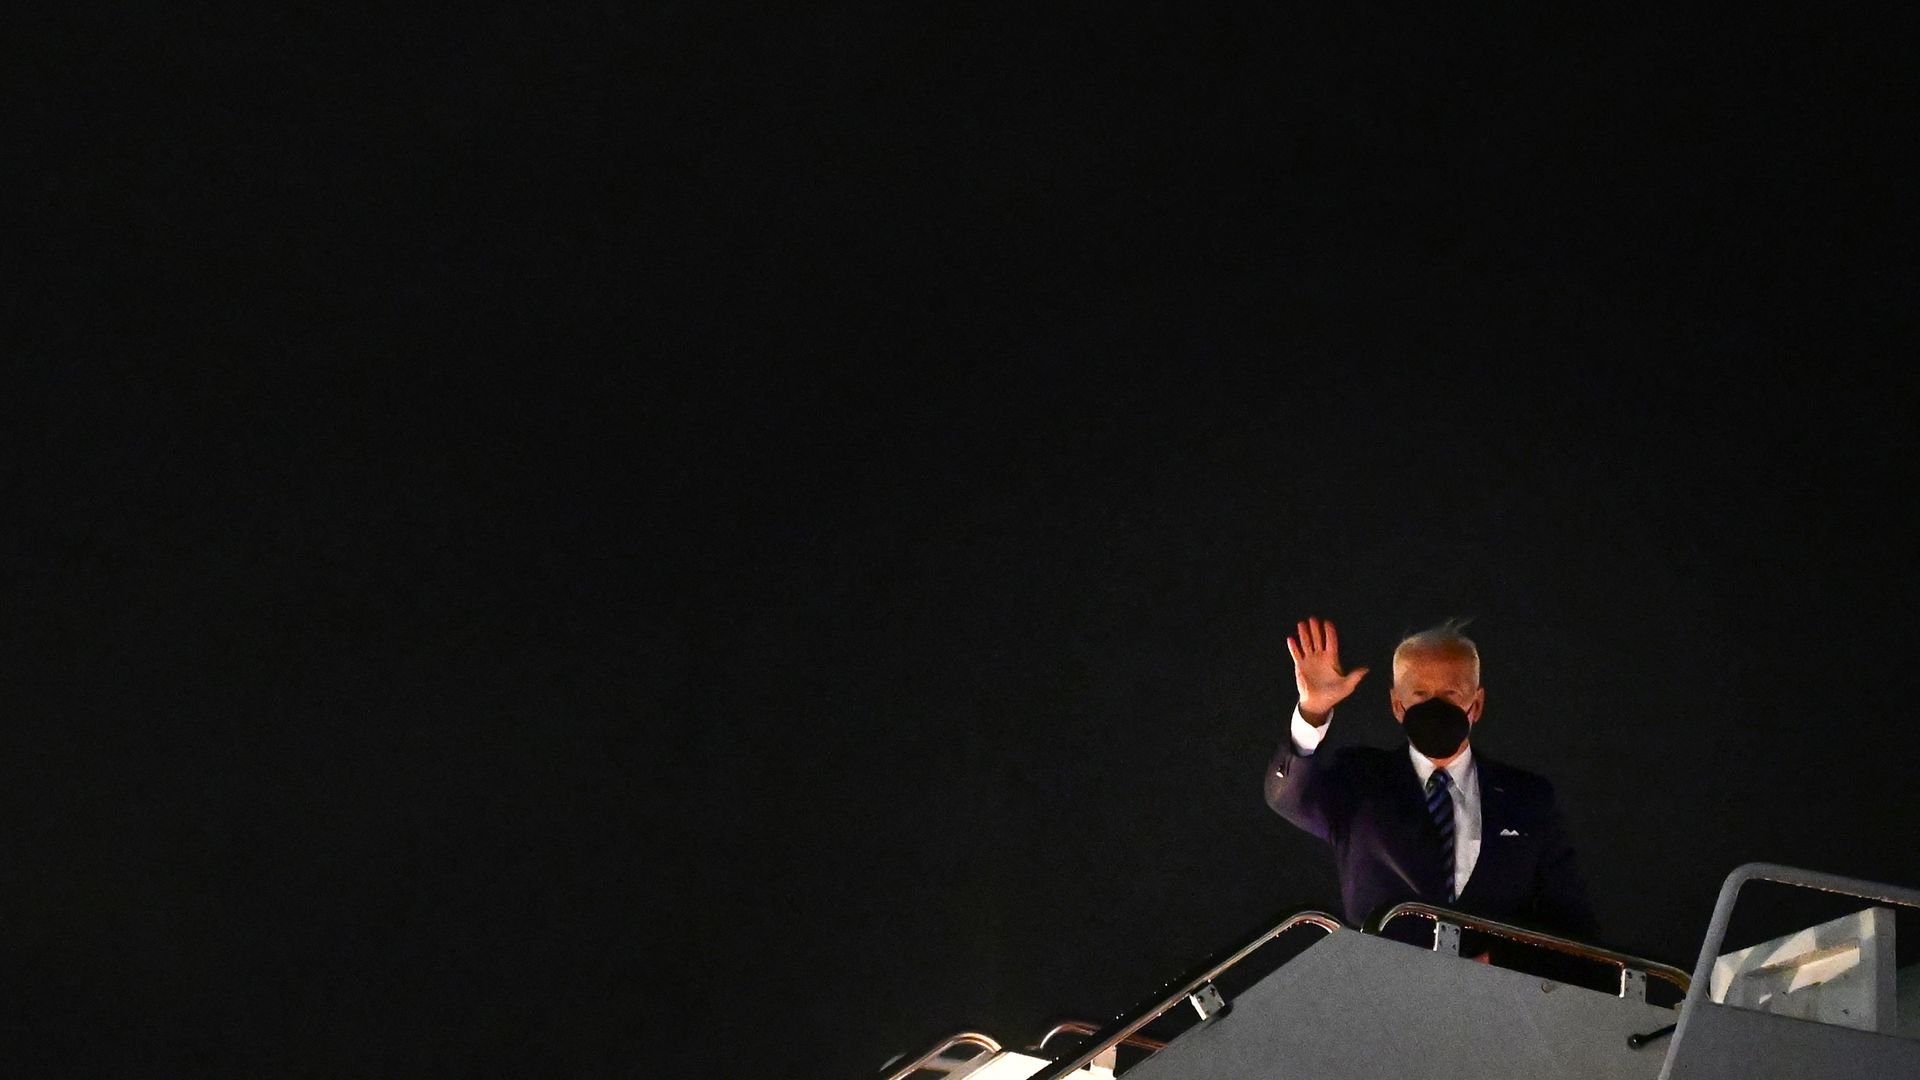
[1316, 713]
[1306, 734]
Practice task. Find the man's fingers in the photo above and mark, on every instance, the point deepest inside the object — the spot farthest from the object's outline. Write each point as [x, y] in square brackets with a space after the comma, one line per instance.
[1333, 639]
[1319, 635]
[1294, 648]
[1306, 637]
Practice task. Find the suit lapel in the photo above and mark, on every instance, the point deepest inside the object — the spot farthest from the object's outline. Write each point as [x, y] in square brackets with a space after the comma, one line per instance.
[1495, 814]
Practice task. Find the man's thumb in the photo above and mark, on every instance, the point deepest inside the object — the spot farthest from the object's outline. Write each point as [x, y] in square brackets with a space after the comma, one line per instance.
[1354, 676]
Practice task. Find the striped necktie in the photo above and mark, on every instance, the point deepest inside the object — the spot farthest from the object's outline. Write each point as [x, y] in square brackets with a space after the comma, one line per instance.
[1440, 809]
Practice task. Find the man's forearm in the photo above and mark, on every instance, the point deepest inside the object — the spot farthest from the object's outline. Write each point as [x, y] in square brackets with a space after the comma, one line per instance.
[1293, 787]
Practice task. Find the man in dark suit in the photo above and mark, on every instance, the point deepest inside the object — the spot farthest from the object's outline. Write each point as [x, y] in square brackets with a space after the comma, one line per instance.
[1433, 821]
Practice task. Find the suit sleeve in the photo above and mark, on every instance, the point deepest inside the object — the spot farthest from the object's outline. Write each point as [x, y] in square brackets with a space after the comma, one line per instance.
[1560, 903]
[1301, 788]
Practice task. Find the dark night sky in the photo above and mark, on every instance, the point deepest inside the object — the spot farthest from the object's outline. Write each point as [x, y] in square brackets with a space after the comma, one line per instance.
[635, 543]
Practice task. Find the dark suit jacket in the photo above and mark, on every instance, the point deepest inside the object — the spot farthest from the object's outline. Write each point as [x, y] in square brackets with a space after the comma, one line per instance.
[1368, 804]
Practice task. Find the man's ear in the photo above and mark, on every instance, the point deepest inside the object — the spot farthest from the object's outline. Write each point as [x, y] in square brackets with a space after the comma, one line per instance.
[1399, 710]
[1477, 706]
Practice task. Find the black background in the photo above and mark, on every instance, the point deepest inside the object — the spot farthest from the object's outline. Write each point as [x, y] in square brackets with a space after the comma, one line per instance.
[703, 541]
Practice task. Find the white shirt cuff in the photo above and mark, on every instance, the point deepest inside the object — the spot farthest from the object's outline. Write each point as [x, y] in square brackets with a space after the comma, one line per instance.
[1306, 737]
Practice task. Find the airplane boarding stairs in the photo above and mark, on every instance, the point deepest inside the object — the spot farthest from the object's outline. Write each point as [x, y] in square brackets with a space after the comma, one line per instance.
[1823, 1002]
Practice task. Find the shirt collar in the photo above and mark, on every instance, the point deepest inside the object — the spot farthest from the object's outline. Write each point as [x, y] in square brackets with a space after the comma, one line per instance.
[1458, 770]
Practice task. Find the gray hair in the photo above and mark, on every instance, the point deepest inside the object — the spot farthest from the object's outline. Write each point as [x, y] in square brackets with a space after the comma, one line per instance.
[1443, 640]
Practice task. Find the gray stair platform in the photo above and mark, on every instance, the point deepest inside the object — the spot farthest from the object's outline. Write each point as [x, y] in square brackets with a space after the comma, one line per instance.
[1356, 1006]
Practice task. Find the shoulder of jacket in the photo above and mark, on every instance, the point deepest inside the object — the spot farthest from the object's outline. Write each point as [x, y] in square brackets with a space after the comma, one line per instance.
[1517, 780]
[1373, 758]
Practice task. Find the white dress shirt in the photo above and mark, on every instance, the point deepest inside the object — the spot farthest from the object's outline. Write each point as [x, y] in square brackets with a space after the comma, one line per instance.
[1465, 790]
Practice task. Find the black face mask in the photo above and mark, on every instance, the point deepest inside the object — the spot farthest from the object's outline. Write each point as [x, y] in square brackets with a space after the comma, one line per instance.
[1437, 727]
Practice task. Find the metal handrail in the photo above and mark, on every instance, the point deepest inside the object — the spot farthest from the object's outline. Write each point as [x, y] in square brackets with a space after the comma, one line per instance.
[964, 1038]
[1082, 1027]
[1129, 1022]
[1723, 914]
[1625, 962]
[1786, 875]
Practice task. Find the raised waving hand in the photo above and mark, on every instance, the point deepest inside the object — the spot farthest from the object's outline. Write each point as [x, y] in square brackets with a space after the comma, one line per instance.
[1317, 672]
